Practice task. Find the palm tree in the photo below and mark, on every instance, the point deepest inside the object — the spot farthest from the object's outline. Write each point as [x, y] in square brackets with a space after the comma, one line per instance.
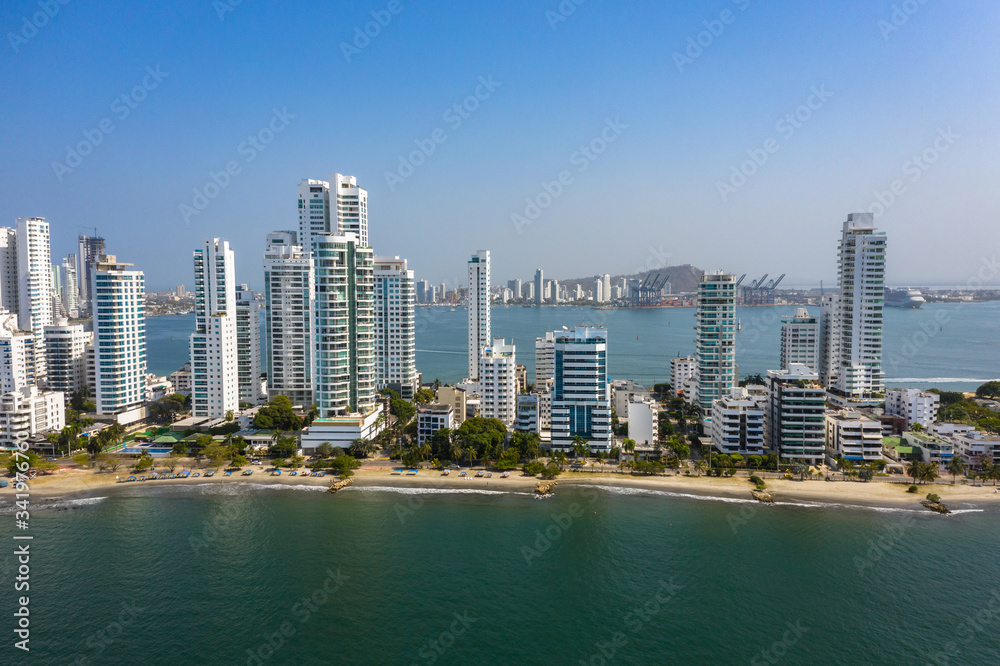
[700, 466]
[455, 450]
[956, 467]
[578, 444]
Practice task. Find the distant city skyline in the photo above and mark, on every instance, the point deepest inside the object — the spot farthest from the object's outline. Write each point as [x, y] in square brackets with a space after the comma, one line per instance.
[619, 136]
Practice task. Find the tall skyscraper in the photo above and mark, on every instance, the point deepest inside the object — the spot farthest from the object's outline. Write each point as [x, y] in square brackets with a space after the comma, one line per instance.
[344, 317]
[119, 335]
[581, 395]
[829, 340]
[498, 382]
[9, 289]
[715, 339]
[91, 249]
[539, 286]
[34, 267]
[515, 286]
[599, 295]
[395, 355]
[860, 380]
[248, 356]
[423, 292]
[545, 359]
[800, 340]
[17, 355]
[480, 331]
[796, 415]
[289, 292]
[70, 286]
[606, 284]
[336, 206]
[214, 365]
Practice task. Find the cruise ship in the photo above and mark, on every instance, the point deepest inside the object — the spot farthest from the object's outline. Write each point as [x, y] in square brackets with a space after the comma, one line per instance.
[904, 298]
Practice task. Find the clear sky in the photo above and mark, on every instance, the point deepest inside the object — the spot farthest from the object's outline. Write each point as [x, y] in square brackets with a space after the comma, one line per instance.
[676, 117]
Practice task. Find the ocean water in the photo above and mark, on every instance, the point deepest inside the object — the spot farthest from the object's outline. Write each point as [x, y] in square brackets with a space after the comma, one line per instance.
[243, 574]
[950, 346]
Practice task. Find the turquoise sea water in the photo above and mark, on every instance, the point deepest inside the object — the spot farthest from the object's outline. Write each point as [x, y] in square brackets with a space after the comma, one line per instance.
[950, 346]
[202, 575]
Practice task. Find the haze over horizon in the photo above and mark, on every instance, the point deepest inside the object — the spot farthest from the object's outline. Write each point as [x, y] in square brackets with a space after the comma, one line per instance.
[666, 121]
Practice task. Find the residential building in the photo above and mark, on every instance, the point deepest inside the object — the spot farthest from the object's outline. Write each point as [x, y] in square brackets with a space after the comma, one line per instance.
[119, 302]
[395, 350]
[34, 275]
[622, 393]
[288, 324]
[9, 289]
[480, 331]
[90, 251]
[737, 424]
[432, 418]
[17, 355]
[852, 435]
[457, 398]
[521, 378]
[423, 292]
[332, 207]
[249, 312]
[860, 380]
[539, 286]
[606, 287]
[643, 421]
[914, 405]
[934, 450]
[829, 340]
[527, 414]
[795, 425]
[27, 412]
[581, 394]
[976, 448]
[70, 286]
[715, 339]
[599, 295]
[65, 350]
[682, 368]
[545, 358]
[214, 362]
[181, 379]
[800, 340]
[498, 381]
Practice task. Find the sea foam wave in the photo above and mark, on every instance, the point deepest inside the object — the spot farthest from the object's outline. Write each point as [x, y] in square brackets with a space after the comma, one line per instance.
[404, 490]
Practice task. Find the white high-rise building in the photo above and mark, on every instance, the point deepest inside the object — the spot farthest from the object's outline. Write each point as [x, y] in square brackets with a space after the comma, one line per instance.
[738, 423]
[829, 340]
[556, 297]
[860, 380]
[17, 355]
[715, 341]
[599, 295]
[796, 415]
[606, 287]
[332, 207]
[395, 346]
[800, 340]
[34, 276]
[248, 356]
[682, 368]
[65, 350]
[344, 319]
[214, 364]
[581, 394]
[539, 286]
[914, 405]
[289, 292]
[498, 381]
[119, 336]
[70, 286]
[480, 331]
[545, 358]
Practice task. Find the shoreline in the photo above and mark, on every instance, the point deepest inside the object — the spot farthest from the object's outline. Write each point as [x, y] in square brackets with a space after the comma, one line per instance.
[86, 484]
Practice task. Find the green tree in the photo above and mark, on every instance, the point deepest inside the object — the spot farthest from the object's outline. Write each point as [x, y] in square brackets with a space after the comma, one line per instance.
[402, 410]
[956, 467]
[324, 450]
[278, 414]
[989, 390]
[362, 447]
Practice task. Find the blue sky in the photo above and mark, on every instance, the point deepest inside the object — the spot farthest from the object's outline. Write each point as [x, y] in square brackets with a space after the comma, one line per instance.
[652, 192]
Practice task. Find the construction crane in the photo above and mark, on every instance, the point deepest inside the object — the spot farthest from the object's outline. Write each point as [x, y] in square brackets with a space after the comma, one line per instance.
[761, 292]
[648, 293]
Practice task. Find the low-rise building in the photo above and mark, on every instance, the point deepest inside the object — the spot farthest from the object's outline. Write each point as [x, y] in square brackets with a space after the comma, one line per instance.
[931, 449]
[852, 435]
[796, 415]
[972, 445]
[643, 421]
[28, 412]
[737, 424]
[914, 405]
[682, 370]
[431, 418]
[527, 414]
[457, 398]
[181, 379]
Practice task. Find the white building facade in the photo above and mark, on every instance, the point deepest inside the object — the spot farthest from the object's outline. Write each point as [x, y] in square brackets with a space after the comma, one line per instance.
[581, 394]
[249, 313]
[289, 291]
[480, 329]
[65, 349]
[715, 339]
[498, 381]
[119, 304]
[800, 340]
[395, 345]
[214, 362]
[738, 423]
[914, 405]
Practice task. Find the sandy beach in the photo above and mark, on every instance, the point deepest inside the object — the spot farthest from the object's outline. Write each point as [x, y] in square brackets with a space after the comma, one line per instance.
[78, 484]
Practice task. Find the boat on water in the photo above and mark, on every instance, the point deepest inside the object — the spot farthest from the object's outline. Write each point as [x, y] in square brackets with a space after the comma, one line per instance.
[904, 298]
